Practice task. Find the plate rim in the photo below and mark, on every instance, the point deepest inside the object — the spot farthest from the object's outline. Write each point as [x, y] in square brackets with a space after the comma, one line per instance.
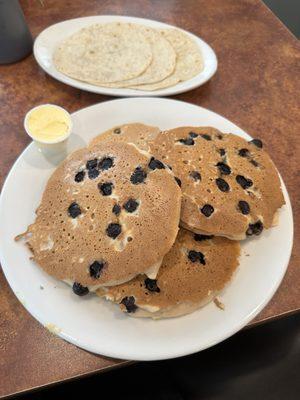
[120, 92]
[193, 348]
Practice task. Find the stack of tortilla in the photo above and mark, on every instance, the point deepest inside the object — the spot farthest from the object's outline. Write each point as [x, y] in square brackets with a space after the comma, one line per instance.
[124, 55]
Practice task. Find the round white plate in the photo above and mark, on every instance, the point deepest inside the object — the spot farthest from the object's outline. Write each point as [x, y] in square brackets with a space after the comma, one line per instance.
[91, 322]
[47, 41]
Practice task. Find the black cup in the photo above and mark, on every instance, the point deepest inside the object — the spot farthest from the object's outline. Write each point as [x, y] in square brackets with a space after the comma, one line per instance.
[15, 37]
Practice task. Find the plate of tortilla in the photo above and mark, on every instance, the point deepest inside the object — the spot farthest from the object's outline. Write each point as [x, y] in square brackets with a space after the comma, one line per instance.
[124, 56]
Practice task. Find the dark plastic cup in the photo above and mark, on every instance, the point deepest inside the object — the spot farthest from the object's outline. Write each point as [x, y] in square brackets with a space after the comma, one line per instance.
[15, 37]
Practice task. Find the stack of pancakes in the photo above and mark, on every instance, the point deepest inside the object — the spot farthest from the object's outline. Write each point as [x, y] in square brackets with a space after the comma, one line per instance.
[109, 218]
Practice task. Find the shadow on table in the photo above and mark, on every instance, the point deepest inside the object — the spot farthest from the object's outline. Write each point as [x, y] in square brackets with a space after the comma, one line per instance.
[259, 363]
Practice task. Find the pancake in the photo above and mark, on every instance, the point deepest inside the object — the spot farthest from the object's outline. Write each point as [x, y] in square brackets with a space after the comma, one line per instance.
[136, 133]
[193, 272]
[107, 214]
[230, 186]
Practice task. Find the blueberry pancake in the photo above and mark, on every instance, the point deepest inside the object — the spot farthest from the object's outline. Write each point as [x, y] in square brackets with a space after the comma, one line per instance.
[107, 214]
[136, 133]
[230, 187]
[193, 272]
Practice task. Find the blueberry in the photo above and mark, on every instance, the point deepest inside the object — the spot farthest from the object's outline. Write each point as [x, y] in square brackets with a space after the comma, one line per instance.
[74, 210]
[129, 303]
[224, 168]
[105, 163]
[192, 255]
[199, 238]
[155, 164]
[244, 182]
[131, 205]
[244, 152]
[195, 256]
[207, 210]
[255, 229]
[188, 141]
[222, 152]
[220, 137]
[255, 163]
[244, 207]
[113, 230]
[138, 176]
[79, 289]
[95, 269]
[205, 136]
[195, 175]
[116, 209]
[257, 142]
[79, 176]
[91, 164]
[193, 134]
[93, 173]
[178, 181]
[106, 188]
[117, 131]
[222, 185]
[151, 285]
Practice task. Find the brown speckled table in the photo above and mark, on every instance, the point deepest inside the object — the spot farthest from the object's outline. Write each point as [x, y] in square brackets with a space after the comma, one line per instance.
[257, 86]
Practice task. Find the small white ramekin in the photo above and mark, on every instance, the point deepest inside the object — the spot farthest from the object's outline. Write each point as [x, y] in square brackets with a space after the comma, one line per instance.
[48, 142]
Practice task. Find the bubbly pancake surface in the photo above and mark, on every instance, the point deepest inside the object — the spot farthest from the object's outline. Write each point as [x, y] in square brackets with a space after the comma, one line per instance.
[107, 214]
[230, 186]
[137, 133]
[193, 272]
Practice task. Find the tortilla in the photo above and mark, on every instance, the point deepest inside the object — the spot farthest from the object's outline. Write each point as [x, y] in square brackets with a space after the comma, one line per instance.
[104, 53]
[163, 61]
[189, 60]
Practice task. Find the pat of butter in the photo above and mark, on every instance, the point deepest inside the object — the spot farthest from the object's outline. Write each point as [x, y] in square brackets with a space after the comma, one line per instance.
[48, 123]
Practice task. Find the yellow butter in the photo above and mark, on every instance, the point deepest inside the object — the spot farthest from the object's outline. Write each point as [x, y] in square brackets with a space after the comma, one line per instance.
[48, 123]
[53, 328]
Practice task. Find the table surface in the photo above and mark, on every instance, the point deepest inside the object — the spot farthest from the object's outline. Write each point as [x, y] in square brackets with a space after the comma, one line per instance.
[257, 87]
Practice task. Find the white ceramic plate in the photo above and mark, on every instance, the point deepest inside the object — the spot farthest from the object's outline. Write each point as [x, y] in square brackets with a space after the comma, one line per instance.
[47, 41]
[97, 325]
